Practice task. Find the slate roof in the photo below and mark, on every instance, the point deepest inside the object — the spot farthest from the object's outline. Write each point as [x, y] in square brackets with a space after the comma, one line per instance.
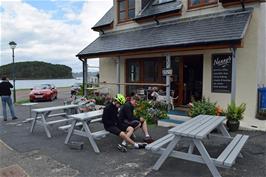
[149, 10]
[153, 10]
[107, 19]
[229, 26]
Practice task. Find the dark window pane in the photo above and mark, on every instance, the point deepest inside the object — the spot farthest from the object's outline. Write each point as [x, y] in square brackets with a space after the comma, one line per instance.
[122, 16]
[131, 4]
[122, 5]
[150, 71]
[194, 2]
[131, 13]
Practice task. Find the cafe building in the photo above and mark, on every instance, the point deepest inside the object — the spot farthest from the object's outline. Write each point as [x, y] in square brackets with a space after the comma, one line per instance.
[201, 48]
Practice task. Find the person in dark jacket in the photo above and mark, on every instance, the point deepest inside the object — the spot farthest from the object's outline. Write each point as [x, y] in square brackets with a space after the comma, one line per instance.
[126, 116]
[5, 94]
[111, 123]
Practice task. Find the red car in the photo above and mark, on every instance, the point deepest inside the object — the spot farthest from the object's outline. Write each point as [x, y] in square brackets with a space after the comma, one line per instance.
[46, 92]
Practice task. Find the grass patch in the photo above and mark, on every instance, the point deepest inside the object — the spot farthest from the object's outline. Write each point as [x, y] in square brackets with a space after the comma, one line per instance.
[23, 101]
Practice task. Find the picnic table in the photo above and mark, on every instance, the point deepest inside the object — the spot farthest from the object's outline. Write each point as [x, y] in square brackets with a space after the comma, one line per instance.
[42, 115]
[30, 108]
[84, 119]
[195, 131]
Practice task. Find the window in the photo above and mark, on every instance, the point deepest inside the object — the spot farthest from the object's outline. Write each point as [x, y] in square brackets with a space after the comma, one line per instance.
[200, 3]
[134, 71]
[126, 10]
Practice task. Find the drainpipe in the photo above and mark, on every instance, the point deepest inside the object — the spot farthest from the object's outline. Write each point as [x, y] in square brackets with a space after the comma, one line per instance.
[118, 74]
[233, 82]
[168, 65]
[85, 77]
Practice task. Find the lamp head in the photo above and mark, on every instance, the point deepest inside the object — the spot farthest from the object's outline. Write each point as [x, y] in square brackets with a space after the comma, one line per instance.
[12, 45]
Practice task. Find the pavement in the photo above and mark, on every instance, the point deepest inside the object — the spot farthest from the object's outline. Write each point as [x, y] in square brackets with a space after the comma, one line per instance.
[36, 155]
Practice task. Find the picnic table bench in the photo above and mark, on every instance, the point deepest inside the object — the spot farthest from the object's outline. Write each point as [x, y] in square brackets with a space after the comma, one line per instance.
[42, 115]
[195, 130]
[85, 119]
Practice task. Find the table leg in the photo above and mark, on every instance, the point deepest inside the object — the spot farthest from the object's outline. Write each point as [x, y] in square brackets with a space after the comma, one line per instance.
[206, 157]
[33, 123]
[43, 117]
[191, 148]
[91, 139]
[222, 128]
[30, 111]
[70, 131]
[166, 153]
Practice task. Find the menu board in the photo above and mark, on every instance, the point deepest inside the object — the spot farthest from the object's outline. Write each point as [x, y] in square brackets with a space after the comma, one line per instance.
[221, 73]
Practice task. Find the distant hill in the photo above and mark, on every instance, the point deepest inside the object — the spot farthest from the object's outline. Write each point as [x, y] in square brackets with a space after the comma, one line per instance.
[37, 70]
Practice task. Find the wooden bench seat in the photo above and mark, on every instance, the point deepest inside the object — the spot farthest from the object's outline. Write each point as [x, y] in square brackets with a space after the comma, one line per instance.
[66, 127]
[58, 121]
[230, 153]
[100, 134]
[156, 145]
[96, 135]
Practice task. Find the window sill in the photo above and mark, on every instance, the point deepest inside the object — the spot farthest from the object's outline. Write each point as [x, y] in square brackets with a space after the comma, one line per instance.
[191, 9]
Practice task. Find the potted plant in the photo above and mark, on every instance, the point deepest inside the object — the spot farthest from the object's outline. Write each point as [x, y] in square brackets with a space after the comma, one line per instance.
[233, 114]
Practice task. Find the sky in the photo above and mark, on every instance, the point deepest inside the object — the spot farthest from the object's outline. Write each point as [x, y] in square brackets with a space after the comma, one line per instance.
[52, 31]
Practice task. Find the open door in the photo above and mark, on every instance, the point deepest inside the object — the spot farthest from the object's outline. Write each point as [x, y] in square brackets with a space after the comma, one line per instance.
[187, 78]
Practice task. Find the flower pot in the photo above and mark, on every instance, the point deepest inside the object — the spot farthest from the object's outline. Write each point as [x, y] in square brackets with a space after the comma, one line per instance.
[232, 125]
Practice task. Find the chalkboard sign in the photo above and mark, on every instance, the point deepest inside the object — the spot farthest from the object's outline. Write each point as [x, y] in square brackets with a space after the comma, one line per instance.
[221, 73]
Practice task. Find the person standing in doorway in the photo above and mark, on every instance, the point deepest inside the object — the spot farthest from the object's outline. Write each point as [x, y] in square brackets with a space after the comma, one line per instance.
[5, 94]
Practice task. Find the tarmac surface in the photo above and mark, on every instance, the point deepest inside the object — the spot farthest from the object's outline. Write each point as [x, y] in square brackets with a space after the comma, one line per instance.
[39, 156]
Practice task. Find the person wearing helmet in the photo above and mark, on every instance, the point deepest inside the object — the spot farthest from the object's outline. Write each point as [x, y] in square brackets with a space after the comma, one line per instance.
[126, 116]
[111, 123]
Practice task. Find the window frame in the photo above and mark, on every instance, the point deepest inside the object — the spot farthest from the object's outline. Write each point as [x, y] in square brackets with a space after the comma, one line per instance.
[127, 9]
[202, 4]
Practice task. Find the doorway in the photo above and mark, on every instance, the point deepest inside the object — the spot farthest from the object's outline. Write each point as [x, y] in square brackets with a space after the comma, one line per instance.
[187, 78]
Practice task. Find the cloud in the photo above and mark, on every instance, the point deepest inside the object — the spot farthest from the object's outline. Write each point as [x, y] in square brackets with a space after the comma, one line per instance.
[41, 35]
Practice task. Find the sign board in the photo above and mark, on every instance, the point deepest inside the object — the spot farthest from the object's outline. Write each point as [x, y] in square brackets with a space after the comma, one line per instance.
[167, 71]
[221, 73]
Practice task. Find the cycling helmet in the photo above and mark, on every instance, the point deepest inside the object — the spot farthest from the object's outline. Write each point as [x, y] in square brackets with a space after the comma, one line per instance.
[120, 98]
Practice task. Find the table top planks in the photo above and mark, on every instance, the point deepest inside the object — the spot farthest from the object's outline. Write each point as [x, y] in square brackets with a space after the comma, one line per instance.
[41, 110]
[87, 115]
[198, 127]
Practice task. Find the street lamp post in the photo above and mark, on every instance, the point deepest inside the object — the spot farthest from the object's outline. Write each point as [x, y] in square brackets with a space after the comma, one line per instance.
[13, 45]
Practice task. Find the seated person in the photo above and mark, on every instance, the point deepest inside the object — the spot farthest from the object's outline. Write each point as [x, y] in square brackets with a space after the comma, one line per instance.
[127, 117]
[111, 123]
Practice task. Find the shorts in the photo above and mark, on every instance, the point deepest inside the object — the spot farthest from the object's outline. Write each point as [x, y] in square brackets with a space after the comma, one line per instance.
[117, 129]
[133, 123]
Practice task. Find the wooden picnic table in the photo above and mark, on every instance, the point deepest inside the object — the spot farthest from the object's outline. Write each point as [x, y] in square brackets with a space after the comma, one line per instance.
[85, 119]
[196, 130]
[42, 114]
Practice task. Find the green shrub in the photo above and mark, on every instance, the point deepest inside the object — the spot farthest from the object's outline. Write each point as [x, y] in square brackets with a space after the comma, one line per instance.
[234, 112]
[151, 111]
[203, 106]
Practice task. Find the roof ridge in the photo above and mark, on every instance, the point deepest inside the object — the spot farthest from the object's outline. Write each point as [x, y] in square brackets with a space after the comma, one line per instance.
[182, 20]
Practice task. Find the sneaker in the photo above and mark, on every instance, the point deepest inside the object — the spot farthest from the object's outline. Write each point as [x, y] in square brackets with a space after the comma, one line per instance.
[148, 140]
[5, 119]
[14, 118]
[121, 148]
[142, 145]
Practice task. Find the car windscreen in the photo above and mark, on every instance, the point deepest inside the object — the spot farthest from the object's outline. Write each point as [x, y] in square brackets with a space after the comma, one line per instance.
[40, 87]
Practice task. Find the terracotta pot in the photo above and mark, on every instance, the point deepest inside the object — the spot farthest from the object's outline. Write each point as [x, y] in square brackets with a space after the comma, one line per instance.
[232, 125]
